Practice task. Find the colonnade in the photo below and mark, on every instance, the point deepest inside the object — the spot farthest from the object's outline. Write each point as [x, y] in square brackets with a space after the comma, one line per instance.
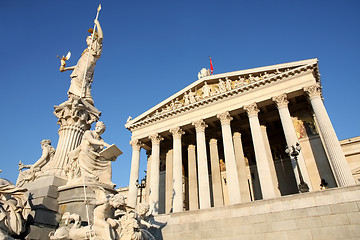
[237, 185]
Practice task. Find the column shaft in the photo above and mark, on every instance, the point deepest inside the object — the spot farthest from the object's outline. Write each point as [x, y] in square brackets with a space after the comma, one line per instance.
[193, 184]
[155, 173]
[169, 182]
[204, 185]
[262, 163]
[215, 174]
[134, 173]
[177, 170]
[230, 161]
[337, 159]
[241, 167]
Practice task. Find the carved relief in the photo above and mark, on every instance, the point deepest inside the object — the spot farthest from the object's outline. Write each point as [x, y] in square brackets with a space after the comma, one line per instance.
[252, 109]
[177, 132]
[136, 144]
[156, 138]
[313, 91]
[225, 118]
[281, 100]
[200, 125]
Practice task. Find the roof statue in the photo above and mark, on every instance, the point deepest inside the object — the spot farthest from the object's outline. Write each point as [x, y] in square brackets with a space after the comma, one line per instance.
[203, 73]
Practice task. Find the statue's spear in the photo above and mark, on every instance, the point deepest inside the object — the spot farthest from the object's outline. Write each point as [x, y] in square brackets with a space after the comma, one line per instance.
[87, 61]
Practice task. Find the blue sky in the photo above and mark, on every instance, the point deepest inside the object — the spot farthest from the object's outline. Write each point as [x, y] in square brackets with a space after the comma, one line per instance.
[152, 49]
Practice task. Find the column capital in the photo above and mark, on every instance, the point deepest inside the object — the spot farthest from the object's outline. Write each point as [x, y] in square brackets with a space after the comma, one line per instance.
[191, 147]
[200, 125]
[177, 132]
[225, 118]
[156, 138]
[252, 109]
[313, 91]
[281, 100]
[213, 141]
[136, 144]
[237, 135]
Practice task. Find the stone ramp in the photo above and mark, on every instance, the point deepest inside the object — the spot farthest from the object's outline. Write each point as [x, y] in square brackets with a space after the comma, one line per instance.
[329, 214]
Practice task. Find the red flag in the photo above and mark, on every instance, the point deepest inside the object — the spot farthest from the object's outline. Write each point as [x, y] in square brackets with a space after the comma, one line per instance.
[211, 67]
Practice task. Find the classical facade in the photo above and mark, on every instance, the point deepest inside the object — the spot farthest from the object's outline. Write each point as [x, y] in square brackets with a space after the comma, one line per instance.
[222, 140]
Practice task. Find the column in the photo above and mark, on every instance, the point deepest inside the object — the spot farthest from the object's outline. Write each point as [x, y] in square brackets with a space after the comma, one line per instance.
[177, 170]
[169, 182]
[230, 161]
[193, 183]
[215, 174]
[262, 163]
[204, 185]
[134, 172]
[291, 137]
[155, 173]
[337, 159]
[270, 160]
[148, 176]
[241, 168]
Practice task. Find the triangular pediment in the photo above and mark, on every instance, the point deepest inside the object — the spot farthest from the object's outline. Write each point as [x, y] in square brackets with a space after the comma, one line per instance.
[218, 86]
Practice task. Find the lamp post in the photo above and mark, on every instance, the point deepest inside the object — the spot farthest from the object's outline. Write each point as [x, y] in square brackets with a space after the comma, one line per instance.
[294, 152]
[141, 186]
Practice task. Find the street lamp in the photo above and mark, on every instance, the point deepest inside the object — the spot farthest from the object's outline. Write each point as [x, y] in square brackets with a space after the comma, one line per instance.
[294, 152]
[141, 186]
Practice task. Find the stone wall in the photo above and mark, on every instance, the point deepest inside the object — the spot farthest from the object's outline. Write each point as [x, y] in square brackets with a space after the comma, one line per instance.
[329, 214]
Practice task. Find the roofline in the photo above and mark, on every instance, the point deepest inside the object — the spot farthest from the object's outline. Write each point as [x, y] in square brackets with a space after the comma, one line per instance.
[222, 75]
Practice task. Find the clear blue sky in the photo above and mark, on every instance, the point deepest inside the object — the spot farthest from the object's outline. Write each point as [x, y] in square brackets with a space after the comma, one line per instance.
[152, 49]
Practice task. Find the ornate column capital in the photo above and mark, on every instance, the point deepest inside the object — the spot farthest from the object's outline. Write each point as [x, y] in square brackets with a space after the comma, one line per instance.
[281, 100]
[237, 135]
[200, 125]
[252, 109]
[156, 138]
[176, 132]
[225, 118]
[136, 144]
[313, 90]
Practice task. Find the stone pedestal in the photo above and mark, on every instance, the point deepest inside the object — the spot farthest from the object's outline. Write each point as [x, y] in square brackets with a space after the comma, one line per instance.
[72, 198]
[45, 215]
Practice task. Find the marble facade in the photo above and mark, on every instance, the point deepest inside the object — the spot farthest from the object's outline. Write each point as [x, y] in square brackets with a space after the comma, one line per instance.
[224, 144]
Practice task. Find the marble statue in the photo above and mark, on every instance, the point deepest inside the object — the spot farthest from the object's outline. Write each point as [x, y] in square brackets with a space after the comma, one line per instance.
[113, 219]
[84, 69]
[192, 96]
[186, 99]
[206, 90]
[14, 210]
[222, 86]
[34, 170]
[86, 163]
[228, 84]
[203, 73]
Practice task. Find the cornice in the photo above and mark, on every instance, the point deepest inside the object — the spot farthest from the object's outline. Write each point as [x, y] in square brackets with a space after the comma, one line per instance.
[178, 107]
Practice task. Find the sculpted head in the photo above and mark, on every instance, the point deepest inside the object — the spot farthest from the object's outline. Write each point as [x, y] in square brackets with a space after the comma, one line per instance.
[45, 142]
[143, 208]
[100, 128]
[117, 200]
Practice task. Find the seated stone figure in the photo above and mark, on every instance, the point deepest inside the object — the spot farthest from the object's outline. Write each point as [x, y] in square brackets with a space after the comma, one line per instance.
[86, 164]
[34, 170]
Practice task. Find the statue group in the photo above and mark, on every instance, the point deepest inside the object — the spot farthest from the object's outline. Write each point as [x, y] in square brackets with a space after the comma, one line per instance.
[82, 160]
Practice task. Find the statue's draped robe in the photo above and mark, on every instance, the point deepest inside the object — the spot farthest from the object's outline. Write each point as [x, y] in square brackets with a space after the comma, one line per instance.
[77, 76]
[90, 165]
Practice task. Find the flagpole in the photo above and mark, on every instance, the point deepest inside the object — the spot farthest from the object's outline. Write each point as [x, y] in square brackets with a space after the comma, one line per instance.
[87, 61]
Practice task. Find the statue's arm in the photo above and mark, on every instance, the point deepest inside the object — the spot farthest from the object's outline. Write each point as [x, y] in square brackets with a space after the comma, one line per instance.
[63, 69]
[94, 141]
[100, 32]
[42, 160]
